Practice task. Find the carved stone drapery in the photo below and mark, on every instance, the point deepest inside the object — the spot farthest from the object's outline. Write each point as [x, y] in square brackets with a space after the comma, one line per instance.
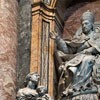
[79, 69]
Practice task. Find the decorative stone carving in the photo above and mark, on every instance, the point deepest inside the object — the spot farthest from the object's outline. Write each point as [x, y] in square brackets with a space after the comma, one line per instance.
[43, 17]
[47, 1]
[42, 91]
[32, 91]
[79, 66]
[29, 92]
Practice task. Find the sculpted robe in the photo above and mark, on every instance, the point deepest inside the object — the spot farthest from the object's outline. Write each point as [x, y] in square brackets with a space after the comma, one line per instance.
[85, 49]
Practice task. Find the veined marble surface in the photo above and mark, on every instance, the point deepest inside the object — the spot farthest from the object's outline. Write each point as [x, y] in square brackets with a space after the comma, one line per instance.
[8, 42]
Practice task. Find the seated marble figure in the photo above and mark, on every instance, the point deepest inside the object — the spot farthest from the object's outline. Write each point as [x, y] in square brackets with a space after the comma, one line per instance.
[79, 58]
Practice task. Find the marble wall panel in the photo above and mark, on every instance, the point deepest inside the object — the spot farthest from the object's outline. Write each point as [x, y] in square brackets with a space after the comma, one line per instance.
[8, 43]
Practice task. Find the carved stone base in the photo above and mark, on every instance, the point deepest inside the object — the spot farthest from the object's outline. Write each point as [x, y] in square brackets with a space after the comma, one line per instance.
[86, 97]
[83, 97]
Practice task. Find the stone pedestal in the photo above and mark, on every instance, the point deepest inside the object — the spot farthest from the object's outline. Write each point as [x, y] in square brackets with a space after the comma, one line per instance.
[8, 42]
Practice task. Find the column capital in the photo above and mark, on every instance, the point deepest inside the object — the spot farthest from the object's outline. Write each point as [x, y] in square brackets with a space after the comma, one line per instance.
[49, 3]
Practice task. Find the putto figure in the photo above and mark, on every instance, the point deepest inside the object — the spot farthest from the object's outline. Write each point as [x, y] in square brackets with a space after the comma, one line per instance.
[43, 95]
[78, 60]
[29, 92]
[32, 91]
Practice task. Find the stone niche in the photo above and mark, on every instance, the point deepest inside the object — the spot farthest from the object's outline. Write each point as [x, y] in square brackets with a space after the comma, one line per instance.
[73, 14]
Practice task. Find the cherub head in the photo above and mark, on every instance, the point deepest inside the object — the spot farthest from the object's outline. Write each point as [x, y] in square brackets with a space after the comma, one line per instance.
[32, 80]
[42, 90]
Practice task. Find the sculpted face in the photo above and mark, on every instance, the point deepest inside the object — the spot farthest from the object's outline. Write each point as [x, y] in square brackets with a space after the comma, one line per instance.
[87, 26]
[32, 80]
[42, 90]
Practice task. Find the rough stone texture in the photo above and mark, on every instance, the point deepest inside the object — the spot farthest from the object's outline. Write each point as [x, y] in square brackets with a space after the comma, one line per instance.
[24, 38]
[8, 42]
[86, 97]
[74, 13]
[61, 7]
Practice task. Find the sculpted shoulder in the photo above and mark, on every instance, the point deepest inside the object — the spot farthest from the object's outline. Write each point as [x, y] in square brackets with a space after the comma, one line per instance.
[27, 91]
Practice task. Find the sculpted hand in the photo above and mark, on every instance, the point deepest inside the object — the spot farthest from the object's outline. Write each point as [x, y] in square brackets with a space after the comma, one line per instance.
[62, 68]
[86, 51]
[53, 35]
[87, 38]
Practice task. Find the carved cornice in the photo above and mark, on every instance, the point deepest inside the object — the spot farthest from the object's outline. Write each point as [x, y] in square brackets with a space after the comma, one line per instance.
[52, 2]
[41, 4]
[47, 12]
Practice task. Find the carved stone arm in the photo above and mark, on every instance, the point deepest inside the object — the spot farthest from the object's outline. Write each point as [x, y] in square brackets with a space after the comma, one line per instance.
[90, 50]
[61, 45]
